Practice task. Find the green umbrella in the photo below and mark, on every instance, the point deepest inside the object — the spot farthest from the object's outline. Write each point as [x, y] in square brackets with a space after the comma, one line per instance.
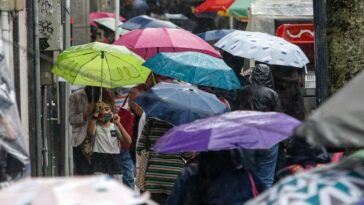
[101, 65]
[110, 24]
[240, 8]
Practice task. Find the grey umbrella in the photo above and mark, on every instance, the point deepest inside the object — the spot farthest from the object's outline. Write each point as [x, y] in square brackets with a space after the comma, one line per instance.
[339, 121]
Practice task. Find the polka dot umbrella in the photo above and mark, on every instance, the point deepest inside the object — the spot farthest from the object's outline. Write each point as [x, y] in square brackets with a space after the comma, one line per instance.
[263, 47]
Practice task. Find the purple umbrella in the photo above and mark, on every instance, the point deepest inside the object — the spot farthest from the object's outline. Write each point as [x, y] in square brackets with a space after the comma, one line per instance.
[239, 129]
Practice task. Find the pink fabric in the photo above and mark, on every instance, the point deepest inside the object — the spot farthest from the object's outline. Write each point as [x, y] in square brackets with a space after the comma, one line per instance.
[253, 186]
[337, 156]
[98, 15]
[150, 41]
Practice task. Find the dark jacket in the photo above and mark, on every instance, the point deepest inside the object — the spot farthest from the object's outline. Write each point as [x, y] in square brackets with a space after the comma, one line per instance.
[232, 187]
[260, 95]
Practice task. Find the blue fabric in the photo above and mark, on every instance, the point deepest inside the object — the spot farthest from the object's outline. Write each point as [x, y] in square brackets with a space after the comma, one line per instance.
[179, 104]
[195, 68]
[262, 163]
[128, 168]
[214, 35]
[143, 21]
[231, 187]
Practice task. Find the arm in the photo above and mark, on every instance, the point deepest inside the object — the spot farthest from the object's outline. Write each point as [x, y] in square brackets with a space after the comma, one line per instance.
[123, 135]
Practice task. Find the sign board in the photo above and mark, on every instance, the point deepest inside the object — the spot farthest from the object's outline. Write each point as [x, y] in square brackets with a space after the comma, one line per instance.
[49, 12]
[297, 33]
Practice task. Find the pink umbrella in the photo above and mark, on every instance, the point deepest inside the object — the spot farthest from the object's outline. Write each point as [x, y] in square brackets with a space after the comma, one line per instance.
[98, 15]
[150, 41]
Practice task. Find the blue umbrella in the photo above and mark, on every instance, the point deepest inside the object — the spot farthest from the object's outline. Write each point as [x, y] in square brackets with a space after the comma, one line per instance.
[195, 68]
[143, 21]
[214, 35]
[179, 103]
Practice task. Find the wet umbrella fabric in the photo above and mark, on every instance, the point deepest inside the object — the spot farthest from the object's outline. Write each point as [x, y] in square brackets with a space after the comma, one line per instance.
[97, 15]
[109, 23]
[214, 35]
[143, 21]
[195, 68]
[181, 21]
[70, 190]
[263, 47]
[179, 103]
[238, 129]
[101, 65]
[335, 184]
[150, 41]
[339, 121]
[214, 6]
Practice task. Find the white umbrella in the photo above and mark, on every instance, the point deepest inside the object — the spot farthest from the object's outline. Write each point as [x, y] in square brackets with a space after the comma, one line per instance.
[91, 190]
[109, 23]
[263, 47]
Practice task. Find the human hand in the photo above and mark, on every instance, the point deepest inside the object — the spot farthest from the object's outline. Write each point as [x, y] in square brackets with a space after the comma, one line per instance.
[116, 118]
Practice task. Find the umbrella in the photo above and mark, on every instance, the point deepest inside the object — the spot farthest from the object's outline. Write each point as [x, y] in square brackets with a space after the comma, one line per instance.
[214, 6]
[101, 65]
[150, 41]
[97, 15]
[70, 190]
[339, 121]
[181, 21]
[264, 48]
[240, 8]
[178, 103]
[335, 184]
[109, 23]
[195, 68]
[214, 35]
[238, 129]
[143, 21]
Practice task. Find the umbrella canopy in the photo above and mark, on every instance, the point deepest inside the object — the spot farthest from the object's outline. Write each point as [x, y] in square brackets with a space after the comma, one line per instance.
[70, 190]
[97, 15]
[238, 129]
[181, 21]
[214, 6]
[101, 65]
[240, 8]
[178, 103]
[148, 42]
[335, 184]
[215, 35]
[109, 23]
[143, 21]
[195, 68]
[339, 121]
[264, 48]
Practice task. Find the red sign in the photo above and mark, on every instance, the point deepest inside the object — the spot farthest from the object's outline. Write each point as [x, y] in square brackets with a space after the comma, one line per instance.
[297, 33]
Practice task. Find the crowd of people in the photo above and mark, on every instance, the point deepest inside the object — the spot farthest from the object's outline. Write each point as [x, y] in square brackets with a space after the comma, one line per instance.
[110, 141]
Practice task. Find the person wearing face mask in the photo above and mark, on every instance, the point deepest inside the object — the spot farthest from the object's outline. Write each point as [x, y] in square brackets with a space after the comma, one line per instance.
[105, 130]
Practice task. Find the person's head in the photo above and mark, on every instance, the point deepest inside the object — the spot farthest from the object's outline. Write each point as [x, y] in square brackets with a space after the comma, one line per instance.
[154, 79]
[105, 107]
[262, 75]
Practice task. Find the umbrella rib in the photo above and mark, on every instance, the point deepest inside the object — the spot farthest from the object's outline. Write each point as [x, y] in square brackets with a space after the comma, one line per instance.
[108, 66]
[84, 54]
[84, 65]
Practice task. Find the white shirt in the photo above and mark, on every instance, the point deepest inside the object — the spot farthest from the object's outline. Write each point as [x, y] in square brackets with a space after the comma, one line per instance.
[77, 105]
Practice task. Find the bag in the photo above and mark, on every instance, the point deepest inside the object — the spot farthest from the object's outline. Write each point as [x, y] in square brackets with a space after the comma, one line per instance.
[87, 148]
[127, 120]
[142, 163]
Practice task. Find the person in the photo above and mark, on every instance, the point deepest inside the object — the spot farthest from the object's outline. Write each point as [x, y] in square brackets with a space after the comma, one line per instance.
[289, 84]
[105, 130]
[260, 96]
[81, 105]
[217, 178]
[127, 120]
[162, 169]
